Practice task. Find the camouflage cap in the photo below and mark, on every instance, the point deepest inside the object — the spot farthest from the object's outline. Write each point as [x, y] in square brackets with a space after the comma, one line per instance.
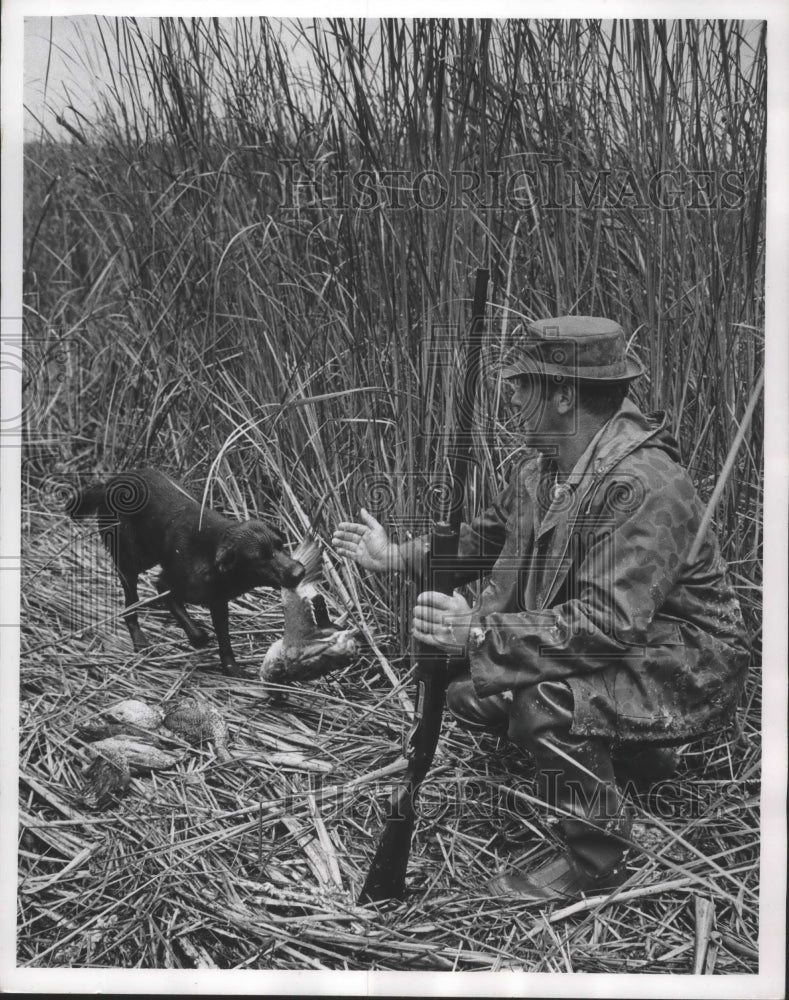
[585, 347]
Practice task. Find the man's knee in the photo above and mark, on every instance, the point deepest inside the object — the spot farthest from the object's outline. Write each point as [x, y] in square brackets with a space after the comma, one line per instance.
[471, 711]
[542, 708]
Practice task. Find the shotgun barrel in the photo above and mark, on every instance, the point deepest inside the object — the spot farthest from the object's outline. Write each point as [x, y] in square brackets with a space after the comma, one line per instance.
[386, 878]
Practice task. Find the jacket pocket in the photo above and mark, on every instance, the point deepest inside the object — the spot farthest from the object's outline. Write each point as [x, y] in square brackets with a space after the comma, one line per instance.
[664, 632]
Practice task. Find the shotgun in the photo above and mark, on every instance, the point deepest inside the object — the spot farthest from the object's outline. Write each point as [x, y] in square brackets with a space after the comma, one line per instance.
[386, 878]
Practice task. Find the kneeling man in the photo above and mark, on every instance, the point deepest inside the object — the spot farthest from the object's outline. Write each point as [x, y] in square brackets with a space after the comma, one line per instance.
[600, 628]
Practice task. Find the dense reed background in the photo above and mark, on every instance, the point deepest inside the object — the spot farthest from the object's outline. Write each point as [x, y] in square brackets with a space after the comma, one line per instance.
[225, 278]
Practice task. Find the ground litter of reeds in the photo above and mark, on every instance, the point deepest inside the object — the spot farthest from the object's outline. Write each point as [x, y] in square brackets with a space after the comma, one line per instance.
[256, 863]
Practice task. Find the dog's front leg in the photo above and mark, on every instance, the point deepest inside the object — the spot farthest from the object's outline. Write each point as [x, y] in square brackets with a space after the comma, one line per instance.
[219, 616]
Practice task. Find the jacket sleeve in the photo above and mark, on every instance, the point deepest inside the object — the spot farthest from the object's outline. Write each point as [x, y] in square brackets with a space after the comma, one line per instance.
[481, 541]
[633, 560]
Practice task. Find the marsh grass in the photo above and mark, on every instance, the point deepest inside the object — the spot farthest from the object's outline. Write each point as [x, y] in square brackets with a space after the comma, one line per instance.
[215, 312]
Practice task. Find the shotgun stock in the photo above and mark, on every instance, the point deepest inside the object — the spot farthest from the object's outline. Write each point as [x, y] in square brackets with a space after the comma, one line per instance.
[386, 878]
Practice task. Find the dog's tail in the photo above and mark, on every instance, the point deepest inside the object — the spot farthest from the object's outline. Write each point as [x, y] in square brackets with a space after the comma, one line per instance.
[84, 502]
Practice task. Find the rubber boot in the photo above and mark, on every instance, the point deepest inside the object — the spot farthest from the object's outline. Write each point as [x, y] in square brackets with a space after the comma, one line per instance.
[593, 833]
[576, 775]
[561, 880]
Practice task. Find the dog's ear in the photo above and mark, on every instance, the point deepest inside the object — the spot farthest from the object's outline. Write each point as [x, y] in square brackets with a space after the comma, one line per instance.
[226, 556]
[274, 533]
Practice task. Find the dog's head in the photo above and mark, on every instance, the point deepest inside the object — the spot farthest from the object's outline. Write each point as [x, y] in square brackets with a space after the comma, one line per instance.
[253, 554]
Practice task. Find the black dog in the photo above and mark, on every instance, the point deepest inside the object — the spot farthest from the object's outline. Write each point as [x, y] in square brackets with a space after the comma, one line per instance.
[146, 519]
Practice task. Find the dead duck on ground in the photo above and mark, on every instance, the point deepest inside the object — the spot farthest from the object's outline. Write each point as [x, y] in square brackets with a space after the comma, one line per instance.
[115, 759]
[312, 645]
[189, 717]
[198, 721]
[128, 717]
[132, 737]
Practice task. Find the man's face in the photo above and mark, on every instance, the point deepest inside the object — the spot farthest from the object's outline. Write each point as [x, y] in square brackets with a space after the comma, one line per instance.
[537, 412]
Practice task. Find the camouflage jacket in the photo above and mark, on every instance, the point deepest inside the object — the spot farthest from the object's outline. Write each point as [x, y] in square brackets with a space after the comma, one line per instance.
[590, 582]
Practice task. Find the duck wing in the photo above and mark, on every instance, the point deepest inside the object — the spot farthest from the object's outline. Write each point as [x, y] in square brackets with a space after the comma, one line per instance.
[321, 612]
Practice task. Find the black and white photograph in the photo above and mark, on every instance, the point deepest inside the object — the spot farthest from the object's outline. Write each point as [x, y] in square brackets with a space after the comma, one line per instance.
[394, 452]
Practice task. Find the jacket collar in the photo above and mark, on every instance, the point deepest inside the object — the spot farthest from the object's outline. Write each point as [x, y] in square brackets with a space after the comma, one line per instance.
[627, 430]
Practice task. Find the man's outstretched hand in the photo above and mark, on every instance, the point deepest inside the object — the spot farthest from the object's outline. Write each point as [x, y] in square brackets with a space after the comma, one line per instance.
[367, 544]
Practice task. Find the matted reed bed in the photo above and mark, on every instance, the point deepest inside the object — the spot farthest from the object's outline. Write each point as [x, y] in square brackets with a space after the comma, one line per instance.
[256, 863]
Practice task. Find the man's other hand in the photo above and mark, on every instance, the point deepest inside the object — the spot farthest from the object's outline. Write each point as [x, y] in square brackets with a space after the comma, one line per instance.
[442, 621]
[367, 544]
